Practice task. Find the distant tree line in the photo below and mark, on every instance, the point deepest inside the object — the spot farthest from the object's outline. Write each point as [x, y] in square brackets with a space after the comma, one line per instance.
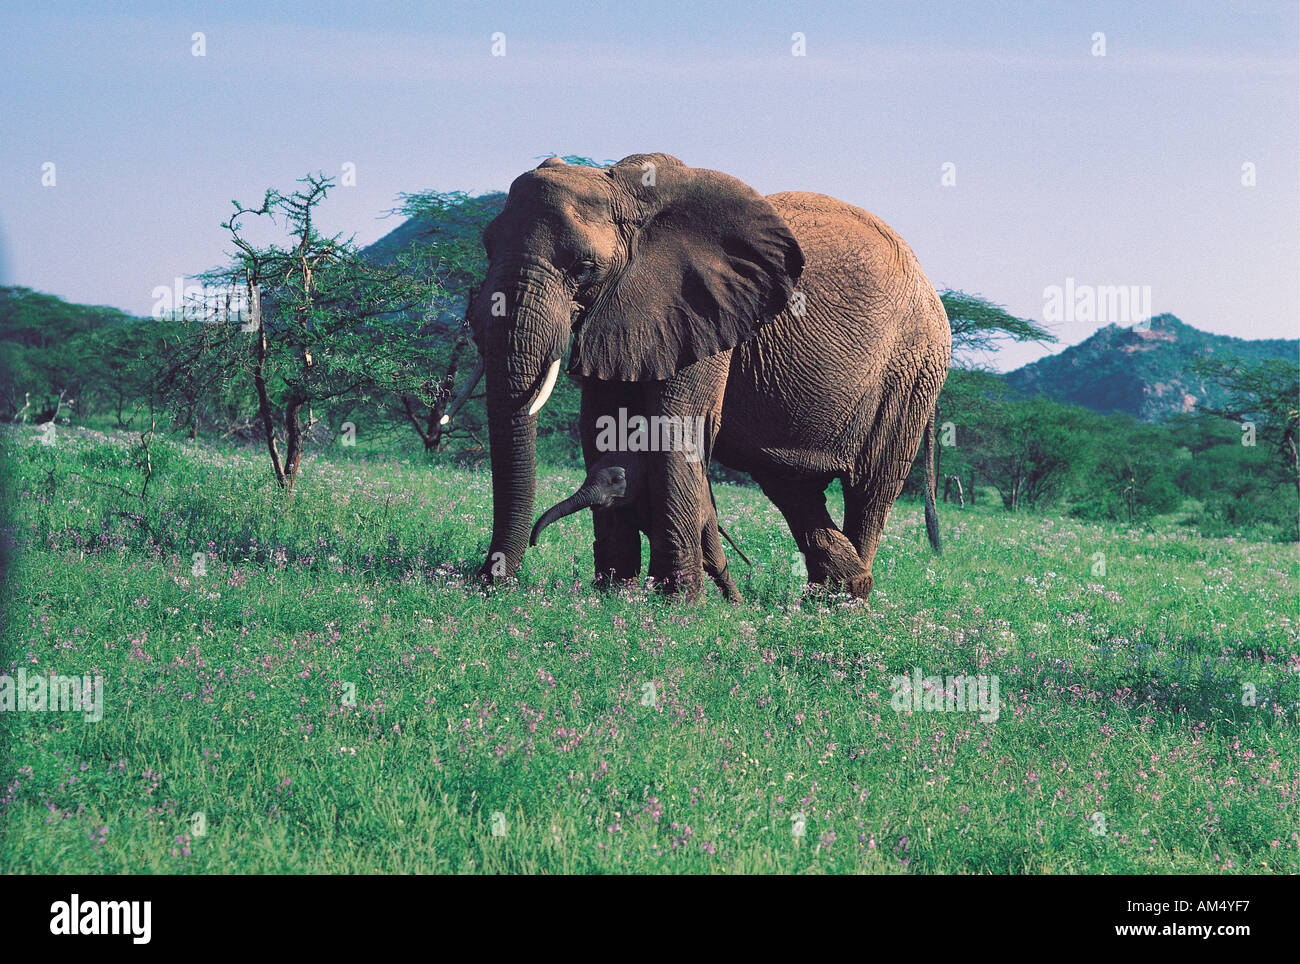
[1222, 471]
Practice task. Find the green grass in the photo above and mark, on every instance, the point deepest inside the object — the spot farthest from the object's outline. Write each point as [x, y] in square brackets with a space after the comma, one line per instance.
[1121, 694]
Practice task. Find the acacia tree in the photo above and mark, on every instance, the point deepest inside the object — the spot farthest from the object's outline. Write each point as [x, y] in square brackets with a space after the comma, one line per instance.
[974, 400]
[322, 323]
[121, 360]
[454, 224]
[1127, 471]
[1265, 394]
[1032, 451]
[977, 325]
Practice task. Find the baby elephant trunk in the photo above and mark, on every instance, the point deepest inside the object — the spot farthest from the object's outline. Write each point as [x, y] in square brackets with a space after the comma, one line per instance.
[584, 498]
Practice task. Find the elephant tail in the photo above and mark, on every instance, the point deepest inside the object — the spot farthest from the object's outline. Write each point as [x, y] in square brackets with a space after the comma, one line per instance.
[931, 513]
[730, 541]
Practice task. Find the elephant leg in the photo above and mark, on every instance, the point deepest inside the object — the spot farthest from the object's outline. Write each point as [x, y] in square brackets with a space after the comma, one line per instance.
[692, 401]
[869, 497]
[829, 555]
[865, 513]
[676, 558]
[616, 549]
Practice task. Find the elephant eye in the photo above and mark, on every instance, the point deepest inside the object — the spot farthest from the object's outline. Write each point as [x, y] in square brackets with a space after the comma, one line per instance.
[583, 271]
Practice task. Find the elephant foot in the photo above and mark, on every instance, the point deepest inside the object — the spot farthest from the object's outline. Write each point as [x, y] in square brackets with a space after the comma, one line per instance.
[860, 585]
[857, 583]
[612, 582]
[488, 580]
[679, 585]
[730, 592]
[501, 568]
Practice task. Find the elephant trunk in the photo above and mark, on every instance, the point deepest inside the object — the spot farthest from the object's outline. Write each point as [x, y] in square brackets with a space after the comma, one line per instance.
[584, 498]
[512, 437]
[521, 354]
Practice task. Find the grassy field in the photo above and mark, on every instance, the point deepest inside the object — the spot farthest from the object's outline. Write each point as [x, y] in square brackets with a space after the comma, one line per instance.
[327, 693]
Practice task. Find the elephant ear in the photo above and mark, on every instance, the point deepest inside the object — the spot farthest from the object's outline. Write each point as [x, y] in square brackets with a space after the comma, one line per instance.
[709, 260]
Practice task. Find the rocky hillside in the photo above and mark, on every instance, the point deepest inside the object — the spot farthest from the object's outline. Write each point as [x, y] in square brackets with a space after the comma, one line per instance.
[462, 224]
[1146, 374]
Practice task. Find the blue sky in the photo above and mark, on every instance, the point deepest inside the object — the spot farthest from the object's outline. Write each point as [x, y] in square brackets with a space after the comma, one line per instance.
[1116, 170]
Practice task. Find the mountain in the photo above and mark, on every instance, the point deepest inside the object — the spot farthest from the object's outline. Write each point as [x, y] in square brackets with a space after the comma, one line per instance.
[463, 222]
[1146, 374]
[456, 226]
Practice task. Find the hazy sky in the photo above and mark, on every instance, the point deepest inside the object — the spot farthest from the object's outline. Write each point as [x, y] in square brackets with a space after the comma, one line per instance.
[1118, 170]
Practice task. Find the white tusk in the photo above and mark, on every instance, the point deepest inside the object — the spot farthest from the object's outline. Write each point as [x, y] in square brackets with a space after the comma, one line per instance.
[547, 387]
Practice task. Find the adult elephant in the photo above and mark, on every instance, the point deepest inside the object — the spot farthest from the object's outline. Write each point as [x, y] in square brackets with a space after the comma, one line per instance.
[677, 288]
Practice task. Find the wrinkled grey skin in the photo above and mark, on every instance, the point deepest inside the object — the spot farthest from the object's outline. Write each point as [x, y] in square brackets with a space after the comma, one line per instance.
[673, 287]
[619, 483]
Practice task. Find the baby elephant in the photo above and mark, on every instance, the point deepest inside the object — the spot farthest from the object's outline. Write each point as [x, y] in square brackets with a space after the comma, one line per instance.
[618, 481]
